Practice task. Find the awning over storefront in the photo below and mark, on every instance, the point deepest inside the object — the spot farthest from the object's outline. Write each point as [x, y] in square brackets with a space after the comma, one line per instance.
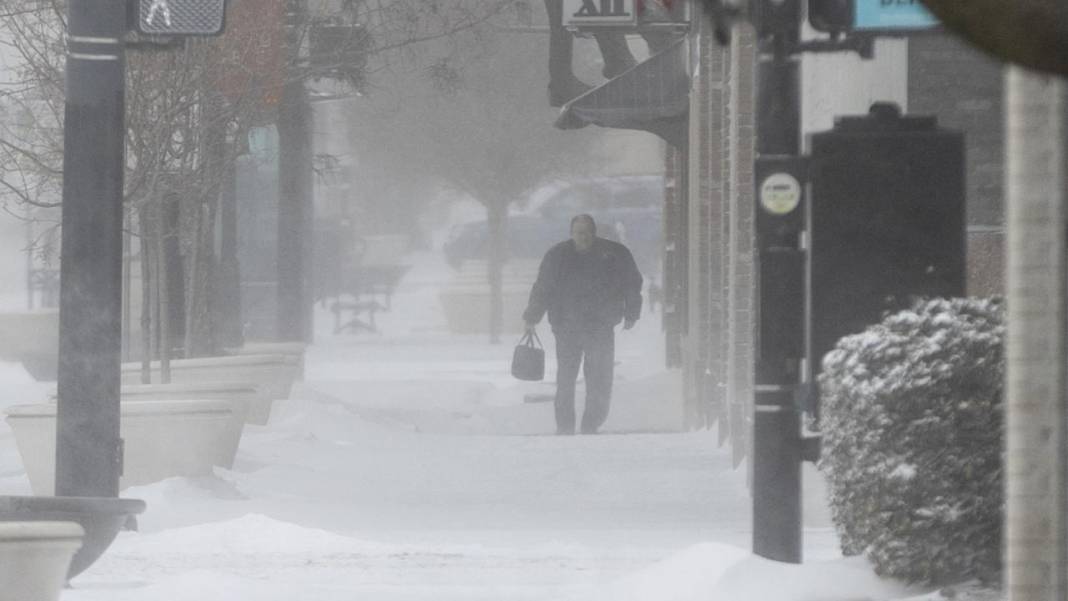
[653, 96]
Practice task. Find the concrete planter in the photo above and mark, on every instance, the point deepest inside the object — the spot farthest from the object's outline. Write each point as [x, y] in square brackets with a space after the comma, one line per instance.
[467, 308]
[295, 349]
[273, 375]
[35, 558]
[162, 439]
[243, 396]
[101, 518]
[466, 299]
[31, 338]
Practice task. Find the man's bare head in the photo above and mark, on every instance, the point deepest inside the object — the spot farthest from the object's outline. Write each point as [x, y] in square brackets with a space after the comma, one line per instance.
[583, 232]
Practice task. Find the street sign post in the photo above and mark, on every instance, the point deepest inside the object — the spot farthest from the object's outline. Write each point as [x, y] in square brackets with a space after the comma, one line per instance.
[89, 449]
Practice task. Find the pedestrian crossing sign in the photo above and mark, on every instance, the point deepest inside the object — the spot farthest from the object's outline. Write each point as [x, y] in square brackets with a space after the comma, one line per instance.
[181, 17]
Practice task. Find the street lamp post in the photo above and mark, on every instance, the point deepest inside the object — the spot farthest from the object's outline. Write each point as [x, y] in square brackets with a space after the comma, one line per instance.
[88, 447]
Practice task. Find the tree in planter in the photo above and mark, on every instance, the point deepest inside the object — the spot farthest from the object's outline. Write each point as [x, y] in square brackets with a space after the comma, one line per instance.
[474, 119]
[183, 134]
[912, 427]
[187, 107]
[175, 144]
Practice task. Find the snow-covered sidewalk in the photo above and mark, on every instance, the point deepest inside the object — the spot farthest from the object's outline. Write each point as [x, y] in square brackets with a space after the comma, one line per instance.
[410, 466]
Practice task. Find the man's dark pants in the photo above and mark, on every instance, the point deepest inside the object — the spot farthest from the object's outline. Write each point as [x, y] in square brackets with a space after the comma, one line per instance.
[595, 350]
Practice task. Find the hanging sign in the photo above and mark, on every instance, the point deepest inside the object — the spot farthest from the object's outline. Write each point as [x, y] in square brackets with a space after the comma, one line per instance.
[587, 13]
[892, 15]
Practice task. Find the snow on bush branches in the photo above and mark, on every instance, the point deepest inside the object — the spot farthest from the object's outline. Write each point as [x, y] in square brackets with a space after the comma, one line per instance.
[912, 426]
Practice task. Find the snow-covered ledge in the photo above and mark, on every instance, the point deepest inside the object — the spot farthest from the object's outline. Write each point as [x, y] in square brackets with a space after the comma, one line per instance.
[34, 558]
[31, 338]
[273, 375]
[162, 439]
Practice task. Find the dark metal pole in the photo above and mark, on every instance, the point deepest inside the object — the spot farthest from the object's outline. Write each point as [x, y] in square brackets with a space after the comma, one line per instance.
[231, 334]
[776, 421]
[88, 447]
[295, 190]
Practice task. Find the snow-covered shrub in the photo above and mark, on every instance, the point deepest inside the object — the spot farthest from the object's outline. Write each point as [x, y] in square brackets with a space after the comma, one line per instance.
[912, 426]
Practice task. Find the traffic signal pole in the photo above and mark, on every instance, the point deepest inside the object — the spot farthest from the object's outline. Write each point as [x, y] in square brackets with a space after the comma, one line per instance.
[777, 449]
[88, 447]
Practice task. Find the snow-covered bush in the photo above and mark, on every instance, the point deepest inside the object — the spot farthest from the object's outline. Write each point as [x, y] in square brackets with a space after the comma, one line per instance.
[912, 426]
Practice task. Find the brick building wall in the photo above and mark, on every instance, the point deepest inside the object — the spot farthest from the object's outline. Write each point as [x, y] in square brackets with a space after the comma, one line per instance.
[964, 89]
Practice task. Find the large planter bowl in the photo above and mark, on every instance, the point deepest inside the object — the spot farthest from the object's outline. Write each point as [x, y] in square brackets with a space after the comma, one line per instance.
[467, 307]
[100, 518]
[466, 299]
[35, 558]
[296, 349]
[244, 396]
[273, 376]
[162, 439]
[31, 338]
[244, 400]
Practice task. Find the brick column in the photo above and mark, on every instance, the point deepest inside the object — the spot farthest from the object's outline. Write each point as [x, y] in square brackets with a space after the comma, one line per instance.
[694, 350]
[740, 266]
[705, 365]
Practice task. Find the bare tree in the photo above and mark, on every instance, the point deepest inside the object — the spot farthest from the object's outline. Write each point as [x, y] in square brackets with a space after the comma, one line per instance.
[474, 119]
[189, 107]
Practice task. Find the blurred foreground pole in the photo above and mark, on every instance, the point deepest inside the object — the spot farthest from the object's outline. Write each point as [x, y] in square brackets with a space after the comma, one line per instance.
[88, 448]
[1035, 555]
[294, 188]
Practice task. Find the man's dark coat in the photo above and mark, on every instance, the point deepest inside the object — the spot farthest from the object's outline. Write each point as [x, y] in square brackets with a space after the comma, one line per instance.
[586, 291]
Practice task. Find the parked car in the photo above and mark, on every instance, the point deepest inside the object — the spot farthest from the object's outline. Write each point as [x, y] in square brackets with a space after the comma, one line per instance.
[627, 209]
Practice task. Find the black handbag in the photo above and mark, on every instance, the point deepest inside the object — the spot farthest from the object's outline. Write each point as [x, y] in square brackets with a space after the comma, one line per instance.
[528, 360]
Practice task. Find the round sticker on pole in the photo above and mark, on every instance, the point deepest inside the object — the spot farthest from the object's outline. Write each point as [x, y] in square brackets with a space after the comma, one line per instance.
[780, 193]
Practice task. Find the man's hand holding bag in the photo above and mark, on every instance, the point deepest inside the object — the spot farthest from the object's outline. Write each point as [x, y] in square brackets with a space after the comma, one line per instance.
[528, 360]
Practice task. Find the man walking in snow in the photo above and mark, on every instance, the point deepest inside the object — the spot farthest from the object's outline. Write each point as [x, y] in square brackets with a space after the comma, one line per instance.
[587, 285]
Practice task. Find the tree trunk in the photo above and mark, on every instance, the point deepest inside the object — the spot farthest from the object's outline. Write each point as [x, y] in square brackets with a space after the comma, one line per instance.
[498, 232]
[1035, 348]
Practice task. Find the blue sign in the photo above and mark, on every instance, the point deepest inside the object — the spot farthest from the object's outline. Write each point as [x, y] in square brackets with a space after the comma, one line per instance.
[892, 15]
